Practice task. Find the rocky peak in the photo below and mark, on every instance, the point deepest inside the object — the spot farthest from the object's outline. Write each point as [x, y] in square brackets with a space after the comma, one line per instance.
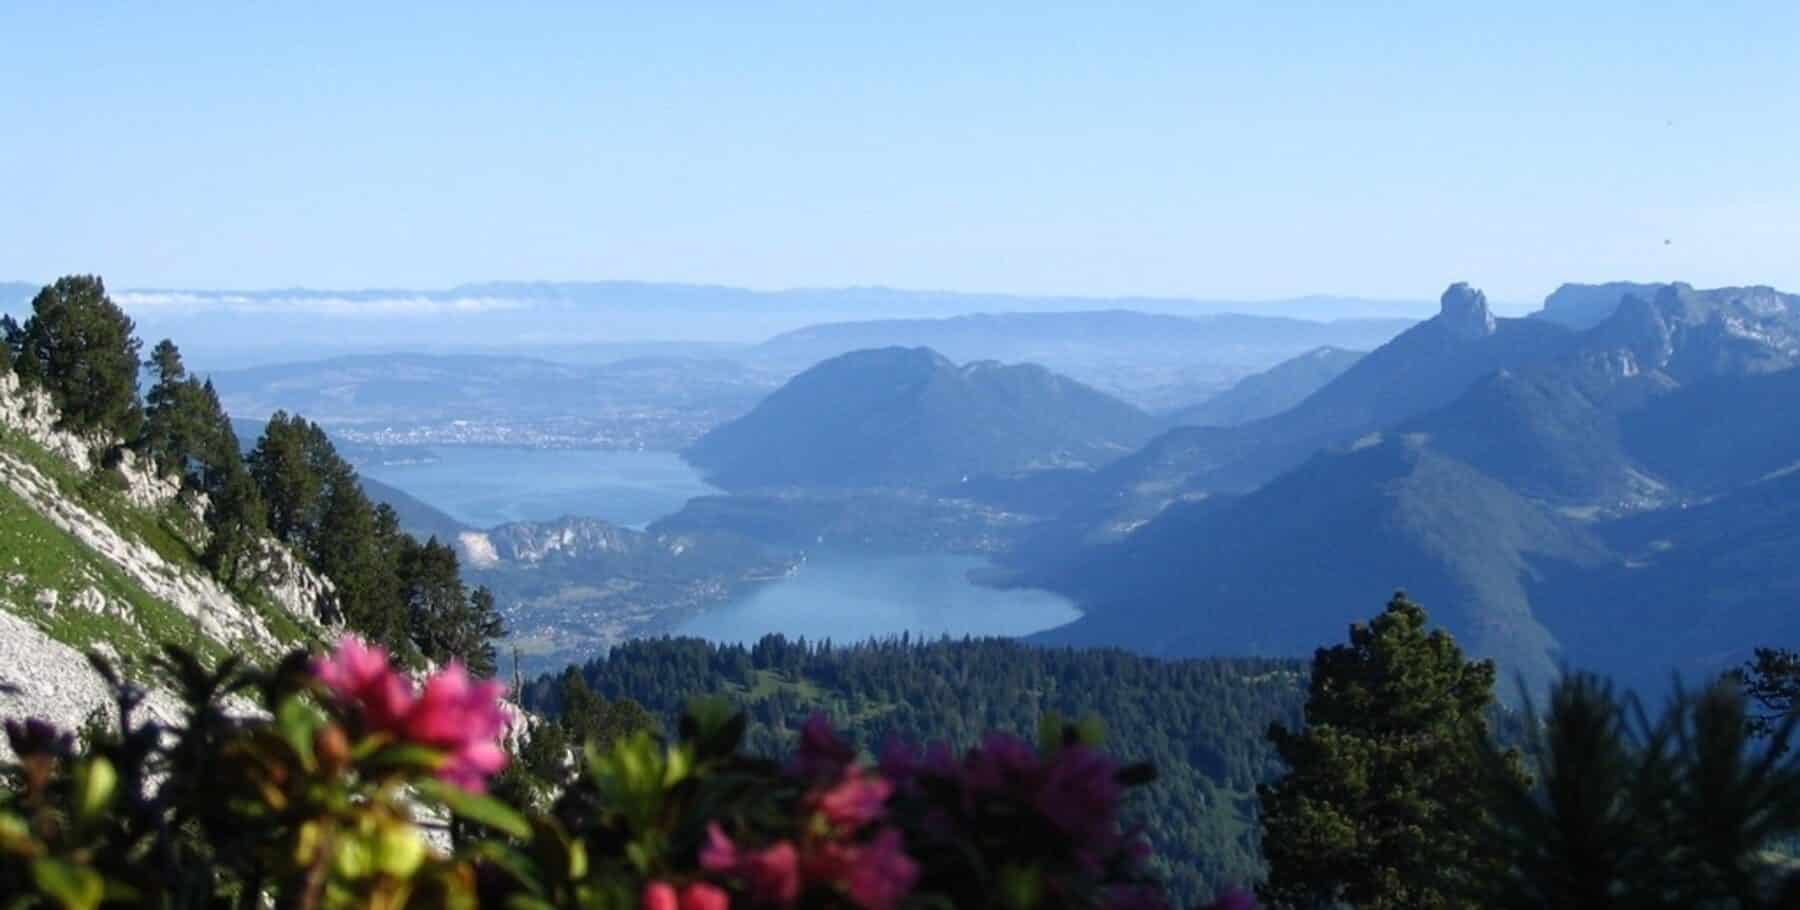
[1639, 330]
[1464, 311]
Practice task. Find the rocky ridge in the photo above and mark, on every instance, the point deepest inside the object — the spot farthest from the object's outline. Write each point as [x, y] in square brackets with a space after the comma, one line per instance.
[104, 577]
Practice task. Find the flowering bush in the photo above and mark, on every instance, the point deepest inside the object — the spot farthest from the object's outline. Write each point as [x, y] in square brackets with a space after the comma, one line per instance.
[326, 799]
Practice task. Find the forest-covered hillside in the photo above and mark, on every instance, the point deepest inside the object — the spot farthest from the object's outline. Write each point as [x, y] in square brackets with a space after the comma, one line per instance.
[1201, 722]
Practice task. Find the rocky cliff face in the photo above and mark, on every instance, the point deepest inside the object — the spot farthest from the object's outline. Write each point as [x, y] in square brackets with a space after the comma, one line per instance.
[92, 558]
[1464, 311]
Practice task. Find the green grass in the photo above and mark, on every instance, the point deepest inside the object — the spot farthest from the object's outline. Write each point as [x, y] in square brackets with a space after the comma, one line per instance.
[47, 557]
[39, 555]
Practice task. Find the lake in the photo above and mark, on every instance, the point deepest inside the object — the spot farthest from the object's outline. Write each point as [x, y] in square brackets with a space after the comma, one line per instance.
[485, 486]
[850, 598]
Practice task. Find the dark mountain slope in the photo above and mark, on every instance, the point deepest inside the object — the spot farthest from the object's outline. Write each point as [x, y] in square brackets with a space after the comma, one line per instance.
[1282, 569]
[910, 417]
[1270, 392]
[1426, 367]
[1721, 433]
[1699, 588]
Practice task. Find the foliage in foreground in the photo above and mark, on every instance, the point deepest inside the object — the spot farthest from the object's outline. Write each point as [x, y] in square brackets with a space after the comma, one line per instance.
[1200, 722]
[1385, 804]
[325, 801]
[1399, 797]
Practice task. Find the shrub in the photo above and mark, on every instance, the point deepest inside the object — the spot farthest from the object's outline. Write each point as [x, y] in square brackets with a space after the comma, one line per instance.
[326, 798]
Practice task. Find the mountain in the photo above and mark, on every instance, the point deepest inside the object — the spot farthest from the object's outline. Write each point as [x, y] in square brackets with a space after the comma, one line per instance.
[910, 417]
[1282, 569]
[1579, 508]
[1270, 392]
[104, 557]
[417, 517]
[1583, 306]
[1425, 367]
[1156, 361]
[645, 402]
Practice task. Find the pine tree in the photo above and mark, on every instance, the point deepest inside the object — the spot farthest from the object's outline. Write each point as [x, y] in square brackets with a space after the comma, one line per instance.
[289, 483]
[234, 516]
[1634, 815]
[79, 346]
[1384, 804]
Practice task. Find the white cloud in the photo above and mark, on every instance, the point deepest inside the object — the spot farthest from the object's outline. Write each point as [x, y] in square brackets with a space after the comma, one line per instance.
[184, 302]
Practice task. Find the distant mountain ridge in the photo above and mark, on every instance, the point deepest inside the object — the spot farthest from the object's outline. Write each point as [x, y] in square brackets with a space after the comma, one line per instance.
[1643, 460]
[216, 323]
[910, 417]
[1270, 392]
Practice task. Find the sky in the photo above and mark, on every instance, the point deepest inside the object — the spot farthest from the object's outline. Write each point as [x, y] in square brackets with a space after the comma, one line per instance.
[1212, 150]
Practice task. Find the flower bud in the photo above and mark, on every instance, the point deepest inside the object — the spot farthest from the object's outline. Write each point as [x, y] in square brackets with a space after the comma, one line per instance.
[399, 850]
[332, 748]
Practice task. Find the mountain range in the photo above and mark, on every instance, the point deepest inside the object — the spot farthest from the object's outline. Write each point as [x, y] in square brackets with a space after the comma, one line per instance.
[1558, 495]
[220, 328]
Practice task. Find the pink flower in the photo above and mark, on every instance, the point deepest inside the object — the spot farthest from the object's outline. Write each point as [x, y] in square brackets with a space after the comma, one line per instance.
[856, 800]
[456, 715]
[719, 854]
[463, 718]
[702, 896]
[821, 755]
[660, 896]
[772, 873]
[359, 673]
[876, 875]
[881, 874]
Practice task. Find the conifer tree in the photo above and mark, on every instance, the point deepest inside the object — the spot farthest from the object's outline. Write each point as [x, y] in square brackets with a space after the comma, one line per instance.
[79, 346]
[9, 340]
[1384, 805]
[1629, 814]
[287, 479]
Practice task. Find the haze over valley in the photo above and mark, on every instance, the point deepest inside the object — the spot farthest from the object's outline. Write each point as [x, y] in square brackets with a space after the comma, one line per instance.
[1114, 462]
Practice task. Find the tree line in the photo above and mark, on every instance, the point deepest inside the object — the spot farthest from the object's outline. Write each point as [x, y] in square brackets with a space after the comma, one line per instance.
[1197, 721]
[81, 348]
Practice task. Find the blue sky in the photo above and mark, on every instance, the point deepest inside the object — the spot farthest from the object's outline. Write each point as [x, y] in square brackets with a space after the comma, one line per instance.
[1245, 150]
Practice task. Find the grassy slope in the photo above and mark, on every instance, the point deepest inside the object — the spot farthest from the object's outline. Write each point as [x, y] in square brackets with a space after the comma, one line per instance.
[35, 554]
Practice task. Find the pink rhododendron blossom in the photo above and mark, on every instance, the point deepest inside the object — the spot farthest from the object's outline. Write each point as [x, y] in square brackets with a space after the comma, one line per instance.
[881, 874]
[462, 717]
[360, 674]
[454, 714]
[660, 896]
[856, 800]
[875, 875]
[821, 755]
[771, 873]
[719, 854]
[702, 896]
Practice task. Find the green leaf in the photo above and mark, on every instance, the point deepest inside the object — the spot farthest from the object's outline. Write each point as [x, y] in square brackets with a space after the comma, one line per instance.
[96, 782]
[478, 807]
[74, 887]
[405, 756]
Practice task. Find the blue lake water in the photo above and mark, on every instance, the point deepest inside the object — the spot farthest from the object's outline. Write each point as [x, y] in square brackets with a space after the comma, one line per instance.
[484, 486]
[849, 598]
